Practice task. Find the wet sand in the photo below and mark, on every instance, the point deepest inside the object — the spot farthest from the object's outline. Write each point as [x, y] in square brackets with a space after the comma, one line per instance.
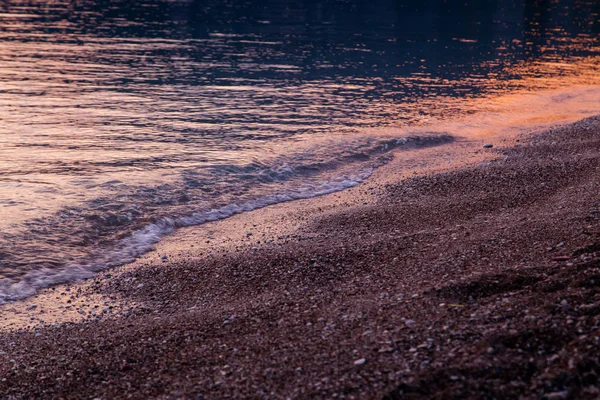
[474, 275]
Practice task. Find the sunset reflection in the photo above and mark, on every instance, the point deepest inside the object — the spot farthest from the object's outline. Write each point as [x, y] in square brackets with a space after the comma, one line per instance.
[119, 114]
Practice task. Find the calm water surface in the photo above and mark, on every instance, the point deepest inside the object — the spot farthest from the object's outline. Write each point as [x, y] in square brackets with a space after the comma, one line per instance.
[121, 120]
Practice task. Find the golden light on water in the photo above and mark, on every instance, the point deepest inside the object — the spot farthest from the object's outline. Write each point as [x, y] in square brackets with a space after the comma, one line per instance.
[117, 117]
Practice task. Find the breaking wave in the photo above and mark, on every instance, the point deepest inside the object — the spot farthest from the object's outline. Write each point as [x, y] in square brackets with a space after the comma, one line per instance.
[80, 241]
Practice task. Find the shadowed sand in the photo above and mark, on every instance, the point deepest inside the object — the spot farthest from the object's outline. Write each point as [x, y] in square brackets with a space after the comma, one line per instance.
[465, 283]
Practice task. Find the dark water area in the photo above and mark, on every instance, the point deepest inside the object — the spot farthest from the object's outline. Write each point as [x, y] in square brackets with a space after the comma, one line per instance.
[122, 121]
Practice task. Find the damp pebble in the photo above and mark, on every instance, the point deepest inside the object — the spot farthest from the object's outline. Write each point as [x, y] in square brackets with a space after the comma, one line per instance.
[557, 395]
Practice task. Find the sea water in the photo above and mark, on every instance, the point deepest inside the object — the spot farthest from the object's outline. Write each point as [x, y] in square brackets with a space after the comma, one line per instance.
[121, 121]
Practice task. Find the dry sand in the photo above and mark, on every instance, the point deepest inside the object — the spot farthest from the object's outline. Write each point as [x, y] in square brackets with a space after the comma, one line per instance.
[481, 281]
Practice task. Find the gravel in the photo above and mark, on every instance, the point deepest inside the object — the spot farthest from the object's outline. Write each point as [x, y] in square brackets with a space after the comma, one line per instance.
[301, 319]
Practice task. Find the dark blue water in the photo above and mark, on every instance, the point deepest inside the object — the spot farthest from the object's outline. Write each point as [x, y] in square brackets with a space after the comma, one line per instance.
[122, 120]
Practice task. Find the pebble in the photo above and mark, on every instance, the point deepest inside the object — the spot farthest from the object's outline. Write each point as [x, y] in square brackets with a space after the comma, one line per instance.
[386, 349]
[557, 395]
[360, 361]
[410, 322]
[488, 146]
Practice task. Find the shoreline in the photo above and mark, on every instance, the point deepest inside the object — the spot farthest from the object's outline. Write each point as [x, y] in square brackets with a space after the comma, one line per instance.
[399, 286]
[77, 300]
[469, 134]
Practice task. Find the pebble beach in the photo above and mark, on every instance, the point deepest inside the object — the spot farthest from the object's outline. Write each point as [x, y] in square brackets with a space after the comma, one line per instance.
[472, 278]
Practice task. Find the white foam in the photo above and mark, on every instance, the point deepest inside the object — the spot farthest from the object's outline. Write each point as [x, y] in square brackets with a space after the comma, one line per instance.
[143, 240]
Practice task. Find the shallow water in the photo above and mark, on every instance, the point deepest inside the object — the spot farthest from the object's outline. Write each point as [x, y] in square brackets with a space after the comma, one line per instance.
[123, 120]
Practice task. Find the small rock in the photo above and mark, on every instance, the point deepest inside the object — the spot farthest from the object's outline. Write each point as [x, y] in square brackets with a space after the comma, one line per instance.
[360, 361]
[557, 395]
[164, 257]
[33, 307]
[553, 358]
[488, 146]
[386, 349]
[410, 322]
